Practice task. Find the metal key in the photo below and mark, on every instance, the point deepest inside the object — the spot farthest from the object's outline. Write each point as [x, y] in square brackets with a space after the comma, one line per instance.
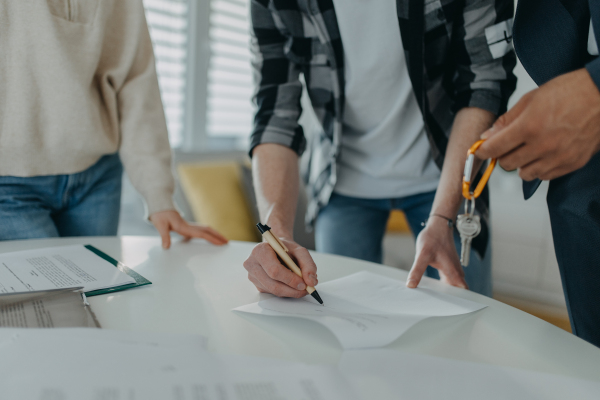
[468, 226]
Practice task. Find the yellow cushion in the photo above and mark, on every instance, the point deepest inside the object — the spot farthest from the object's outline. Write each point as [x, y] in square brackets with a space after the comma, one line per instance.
[397, 222]
[215, 195]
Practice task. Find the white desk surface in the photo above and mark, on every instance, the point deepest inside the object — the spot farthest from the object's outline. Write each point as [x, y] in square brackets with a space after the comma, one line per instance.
[195, 286]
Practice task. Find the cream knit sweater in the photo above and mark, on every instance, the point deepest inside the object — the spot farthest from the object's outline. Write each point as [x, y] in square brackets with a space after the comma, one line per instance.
[78, 81]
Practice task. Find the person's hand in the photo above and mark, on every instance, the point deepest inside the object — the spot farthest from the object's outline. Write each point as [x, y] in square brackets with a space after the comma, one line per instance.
[268, 274]
[435, 247]
[550, 132]
[170, 220]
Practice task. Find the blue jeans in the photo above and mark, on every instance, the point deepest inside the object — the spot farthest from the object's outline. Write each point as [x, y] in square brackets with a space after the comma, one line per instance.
[354, 227]
[82, 204]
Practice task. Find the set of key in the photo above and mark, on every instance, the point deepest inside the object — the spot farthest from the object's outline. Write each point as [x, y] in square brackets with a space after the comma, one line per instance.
[468, 226]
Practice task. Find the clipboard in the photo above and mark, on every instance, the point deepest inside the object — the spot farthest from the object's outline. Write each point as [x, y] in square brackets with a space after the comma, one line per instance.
[139, 279]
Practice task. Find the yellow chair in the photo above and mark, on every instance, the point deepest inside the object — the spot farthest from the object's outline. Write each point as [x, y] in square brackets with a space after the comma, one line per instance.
[216, 196]
[397, 223]
[215, 193]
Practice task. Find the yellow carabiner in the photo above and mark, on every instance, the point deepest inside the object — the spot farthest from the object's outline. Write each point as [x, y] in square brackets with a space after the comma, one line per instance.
[466, 186]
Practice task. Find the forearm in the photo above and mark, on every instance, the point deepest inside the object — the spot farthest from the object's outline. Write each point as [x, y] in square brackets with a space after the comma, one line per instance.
[469, 124]
[276, 184]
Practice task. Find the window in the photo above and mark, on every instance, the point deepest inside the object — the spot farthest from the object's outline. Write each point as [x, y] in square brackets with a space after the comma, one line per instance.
[229, 108]
[229, 111]
[203, 65]
[168, 23]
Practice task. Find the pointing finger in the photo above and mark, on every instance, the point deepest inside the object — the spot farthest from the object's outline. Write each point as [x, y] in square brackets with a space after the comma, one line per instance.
[163, 229]
[416, 272]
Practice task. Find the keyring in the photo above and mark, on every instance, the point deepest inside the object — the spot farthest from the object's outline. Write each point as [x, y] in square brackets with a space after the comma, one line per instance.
[466, 186]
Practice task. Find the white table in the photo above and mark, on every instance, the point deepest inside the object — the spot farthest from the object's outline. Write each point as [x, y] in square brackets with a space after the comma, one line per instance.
[195, 286]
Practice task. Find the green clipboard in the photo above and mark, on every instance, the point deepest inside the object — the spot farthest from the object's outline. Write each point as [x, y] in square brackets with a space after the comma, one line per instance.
[139, 280]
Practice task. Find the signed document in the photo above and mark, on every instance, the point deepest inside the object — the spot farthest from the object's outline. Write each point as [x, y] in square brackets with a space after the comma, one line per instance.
[365, 309]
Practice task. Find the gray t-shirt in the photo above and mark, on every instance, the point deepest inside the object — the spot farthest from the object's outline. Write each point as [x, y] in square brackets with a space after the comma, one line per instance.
[385, 152]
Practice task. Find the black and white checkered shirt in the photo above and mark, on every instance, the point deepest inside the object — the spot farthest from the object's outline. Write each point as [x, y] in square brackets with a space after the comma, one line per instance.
[459, 54]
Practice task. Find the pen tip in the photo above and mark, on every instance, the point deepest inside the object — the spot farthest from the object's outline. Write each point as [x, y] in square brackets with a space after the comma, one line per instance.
[317, 297]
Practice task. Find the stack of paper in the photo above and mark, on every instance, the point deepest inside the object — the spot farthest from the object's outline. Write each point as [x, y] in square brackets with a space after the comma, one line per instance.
[46, 309]
[63, 267]
[366, 310]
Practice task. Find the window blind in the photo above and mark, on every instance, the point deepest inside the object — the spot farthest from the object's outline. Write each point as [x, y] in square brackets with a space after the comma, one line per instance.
[229, 108]
[168, 25]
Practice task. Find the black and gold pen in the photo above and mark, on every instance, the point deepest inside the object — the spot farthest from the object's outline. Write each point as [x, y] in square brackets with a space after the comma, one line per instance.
[282, 252]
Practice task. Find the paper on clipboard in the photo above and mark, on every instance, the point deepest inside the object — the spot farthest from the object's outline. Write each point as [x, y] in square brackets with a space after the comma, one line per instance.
[62, 267]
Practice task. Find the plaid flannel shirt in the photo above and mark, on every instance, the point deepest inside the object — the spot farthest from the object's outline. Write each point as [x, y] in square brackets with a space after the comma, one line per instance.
[459, 54]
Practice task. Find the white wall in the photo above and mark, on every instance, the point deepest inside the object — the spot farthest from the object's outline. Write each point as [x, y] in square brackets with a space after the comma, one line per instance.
[524, 84]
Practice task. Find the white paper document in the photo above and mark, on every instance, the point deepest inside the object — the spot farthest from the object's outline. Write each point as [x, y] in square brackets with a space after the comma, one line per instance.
[366, 310]
[289, 383]
[46, 309]
[58, 267]
[80, 364]
[97, 352]
[389, 374]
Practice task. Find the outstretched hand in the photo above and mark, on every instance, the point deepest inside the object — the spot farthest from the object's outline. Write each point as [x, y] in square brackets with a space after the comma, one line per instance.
[435, 247]
[170, 220]
[551, 131]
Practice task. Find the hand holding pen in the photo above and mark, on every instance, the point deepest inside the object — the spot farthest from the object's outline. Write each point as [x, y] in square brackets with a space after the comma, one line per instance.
[269, 275]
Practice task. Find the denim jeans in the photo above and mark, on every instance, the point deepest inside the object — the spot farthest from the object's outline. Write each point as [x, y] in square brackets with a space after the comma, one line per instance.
[82, 204]
[354, 227]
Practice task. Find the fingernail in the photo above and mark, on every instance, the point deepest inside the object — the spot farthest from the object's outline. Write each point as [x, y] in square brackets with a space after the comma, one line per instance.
[486, 135]
[411, 284]
[301, 286]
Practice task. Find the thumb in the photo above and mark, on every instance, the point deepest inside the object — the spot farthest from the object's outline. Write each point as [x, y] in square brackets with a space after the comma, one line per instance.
[451, 272]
